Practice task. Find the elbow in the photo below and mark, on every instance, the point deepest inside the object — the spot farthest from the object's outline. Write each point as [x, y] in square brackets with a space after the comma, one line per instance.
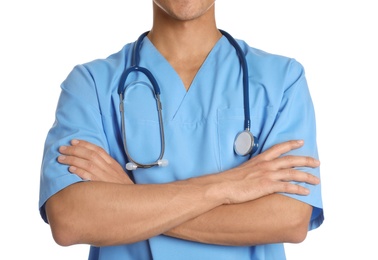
[63, 229]
[297, 222]
[297, 229]
[298, 234]
[62, 236]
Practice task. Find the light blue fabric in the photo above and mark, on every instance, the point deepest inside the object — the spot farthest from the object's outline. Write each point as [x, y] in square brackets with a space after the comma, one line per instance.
[200, 128]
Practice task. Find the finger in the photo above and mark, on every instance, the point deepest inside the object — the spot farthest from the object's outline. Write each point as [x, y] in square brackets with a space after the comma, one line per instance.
[92, 147]
[99, 151]
[82, 173]
[288, 175]
[103, 176]
[89, 171]
[86, 169]
[83, 150]
[80, 163]
[291, 188]
[82, 158]
[291, 161]
[279, 149]
[285, 181]
[88, 161]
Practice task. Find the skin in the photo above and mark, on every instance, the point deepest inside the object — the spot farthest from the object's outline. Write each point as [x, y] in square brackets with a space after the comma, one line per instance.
[178, 32]
[235, 207]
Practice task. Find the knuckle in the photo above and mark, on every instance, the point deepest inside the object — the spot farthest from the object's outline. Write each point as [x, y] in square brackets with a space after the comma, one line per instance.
[265, 182]
[91, 166]
[280, 147]
[287, 186]
[93, 156]
[86, 176]
[70, 160]
[259, 165]
[72, 149]
[277, 146]
[312, 179]
[291, 173]
[98, 150]
[309, 160]
[290, 159]
[265, 186]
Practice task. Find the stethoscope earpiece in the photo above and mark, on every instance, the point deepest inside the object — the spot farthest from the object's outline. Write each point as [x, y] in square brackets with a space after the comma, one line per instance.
[131, 166]
[162, 162]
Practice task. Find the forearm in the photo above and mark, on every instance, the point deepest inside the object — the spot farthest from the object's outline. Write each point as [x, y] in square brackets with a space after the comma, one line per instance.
[270, 219]
[109, 210]
[100, 213]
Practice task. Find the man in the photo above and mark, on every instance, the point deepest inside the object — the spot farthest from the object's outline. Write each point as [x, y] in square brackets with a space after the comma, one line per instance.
[208, 203]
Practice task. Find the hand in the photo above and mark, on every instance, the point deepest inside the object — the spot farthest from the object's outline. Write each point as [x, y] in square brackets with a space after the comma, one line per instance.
[270, 172]
[91, 162]
[267, 173]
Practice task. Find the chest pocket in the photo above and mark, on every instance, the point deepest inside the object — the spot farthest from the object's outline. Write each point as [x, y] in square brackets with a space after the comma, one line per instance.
[230, 123]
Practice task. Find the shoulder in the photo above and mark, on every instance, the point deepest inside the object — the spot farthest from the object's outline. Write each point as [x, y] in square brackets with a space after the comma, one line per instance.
[270, 66]
[258, 56]
[100, 71]
[111, 63]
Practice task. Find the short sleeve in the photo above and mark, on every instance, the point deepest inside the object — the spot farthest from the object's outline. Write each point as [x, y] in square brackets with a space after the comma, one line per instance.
[296, 120]
[77, 116]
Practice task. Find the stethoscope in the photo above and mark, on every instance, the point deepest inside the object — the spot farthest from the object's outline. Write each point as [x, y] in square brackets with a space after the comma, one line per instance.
[245, 143]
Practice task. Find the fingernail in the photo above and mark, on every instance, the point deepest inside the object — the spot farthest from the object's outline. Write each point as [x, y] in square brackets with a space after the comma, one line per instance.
[74, 141]
[61, 158]
[72, 169]
[300, 141]
[62, 148]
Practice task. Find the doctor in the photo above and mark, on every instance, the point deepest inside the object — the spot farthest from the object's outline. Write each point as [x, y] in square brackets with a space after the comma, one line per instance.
[200, 199]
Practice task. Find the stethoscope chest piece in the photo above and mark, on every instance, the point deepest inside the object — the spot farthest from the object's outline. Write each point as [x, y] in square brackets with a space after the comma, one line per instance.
[245, 143]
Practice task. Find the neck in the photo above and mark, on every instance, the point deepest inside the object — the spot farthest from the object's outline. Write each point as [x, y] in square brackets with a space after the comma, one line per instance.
[178, 39]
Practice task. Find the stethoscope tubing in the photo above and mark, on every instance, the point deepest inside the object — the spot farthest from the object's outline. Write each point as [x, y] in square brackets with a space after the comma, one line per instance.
[243, 62]
[251, 141]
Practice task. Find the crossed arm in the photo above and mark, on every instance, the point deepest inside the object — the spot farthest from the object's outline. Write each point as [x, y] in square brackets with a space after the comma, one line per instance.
[235, 207]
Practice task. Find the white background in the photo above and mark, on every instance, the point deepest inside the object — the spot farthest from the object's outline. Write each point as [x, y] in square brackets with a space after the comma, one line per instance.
[335, 40]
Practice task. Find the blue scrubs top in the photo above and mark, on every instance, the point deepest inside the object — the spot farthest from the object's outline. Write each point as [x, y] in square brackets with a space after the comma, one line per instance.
[200, 128]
